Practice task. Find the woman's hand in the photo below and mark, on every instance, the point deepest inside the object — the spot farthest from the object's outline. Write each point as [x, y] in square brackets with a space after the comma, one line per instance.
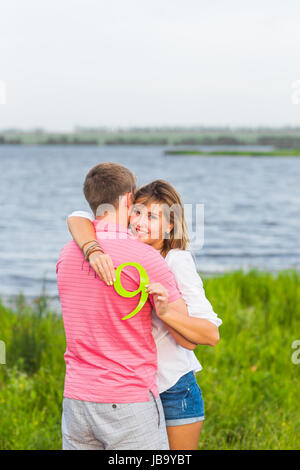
[160, 297]
[103, 266]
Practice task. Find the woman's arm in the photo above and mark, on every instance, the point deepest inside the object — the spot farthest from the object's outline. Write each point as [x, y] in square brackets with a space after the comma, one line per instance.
[83, 232]
[196, 330]
[200, 325]
[82, 229]
[185, 343]
[176, 332]
[188, 331]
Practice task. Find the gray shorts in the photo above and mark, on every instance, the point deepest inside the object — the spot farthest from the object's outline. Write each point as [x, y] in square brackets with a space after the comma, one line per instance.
[109, 426]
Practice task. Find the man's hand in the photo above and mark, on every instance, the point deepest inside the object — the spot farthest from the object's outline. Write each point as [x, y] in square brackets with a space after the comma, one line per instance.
[160, 297]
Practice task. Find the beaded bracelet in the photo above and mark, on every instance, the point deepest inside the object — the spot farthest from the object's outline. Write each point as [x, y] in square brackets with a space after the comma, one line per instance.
[88, 249]
[92, 250]
[87, 243]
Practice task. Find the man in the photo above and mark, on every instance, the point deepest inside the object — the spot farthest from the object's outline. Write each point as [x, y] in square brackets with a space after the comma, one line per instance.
[111, 399]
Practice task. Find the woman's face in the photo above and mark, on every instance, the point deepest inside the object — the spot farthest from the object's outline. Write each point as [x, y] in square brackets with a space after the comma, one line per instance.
[148, 223]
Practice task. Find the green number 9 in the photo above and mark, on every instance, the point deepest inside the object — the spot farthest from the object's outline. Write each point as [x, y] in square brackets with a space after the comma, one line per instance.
[125, 293]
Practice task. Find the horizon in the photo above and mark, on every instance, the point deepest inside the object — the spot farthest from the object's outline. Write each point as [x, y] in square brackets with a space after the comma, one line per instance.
[136, 128]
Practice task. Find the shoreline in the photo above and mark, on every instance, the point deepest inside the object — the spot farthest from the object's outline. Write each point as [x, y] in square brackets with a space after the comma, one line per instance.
[228, 153]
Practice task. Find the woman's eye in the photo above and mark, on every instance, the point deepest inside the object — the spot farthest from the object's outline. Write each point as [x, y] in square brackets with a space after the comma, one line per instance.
[136, 211]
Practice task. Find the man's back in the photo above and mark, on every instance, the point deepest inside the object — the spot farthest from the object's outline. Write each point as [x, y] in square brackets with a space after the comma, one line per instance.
[109, 359]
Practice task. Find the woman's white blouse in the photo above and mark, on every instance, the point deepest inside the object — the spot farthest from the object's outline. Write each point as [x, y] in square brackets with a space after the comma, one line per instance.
[174, 361]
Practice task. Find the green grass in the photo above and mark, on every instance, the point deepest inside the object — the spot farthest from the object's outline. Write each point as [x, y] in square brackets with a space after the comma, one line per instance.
[234, 153]
[31, 381]
[249, 383]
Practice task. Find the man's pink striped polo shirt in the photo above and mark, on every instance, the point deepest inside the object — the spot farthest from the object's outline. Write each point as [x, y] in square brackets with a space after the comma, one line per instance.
[108, 359]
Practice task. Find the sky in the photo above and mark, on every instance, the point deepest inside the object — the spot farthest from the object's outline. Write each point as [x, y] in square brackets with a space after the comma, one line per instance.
[123, 63]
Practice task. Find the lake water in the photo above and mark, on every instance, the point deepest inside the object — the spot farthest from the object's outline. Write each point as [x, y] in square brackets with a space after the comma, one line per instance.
[251, 207]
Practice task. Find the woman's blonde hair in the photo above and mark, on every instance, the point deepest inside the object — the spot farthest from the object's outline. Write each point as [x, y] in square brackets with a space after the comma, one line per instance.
[162, 192]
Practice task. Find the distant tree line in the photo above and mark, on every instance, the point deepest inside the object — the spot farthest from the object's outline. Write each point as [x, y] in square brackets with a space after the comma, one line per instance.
[65, 140]
[279, 141]
[282, 142]
[138, 141]
[14, 141]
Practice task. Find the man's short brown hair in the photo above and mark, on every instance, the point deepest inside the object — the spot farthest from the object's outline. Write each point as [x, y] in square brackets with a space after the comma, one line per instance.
[105, 182]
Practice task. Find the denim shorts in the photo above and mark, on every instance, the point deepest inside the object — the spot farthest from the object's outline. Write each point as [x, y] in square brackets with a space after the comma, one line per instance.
[183, 403]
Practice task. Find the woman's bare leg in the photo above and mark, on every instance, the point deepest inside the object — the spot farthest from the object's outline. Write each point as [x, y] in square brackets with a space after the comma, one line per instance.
[185, 436]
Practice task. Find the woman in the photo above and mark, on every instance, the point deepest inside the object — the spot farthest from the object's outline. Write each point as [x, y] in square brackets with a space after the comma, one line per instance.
[153, 223]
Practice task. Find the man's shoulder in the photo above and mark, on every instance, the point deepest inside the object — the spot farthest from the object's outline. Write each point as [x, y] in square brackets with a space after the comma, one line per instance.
[146, 255]
[69, 248]
[148, 252]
